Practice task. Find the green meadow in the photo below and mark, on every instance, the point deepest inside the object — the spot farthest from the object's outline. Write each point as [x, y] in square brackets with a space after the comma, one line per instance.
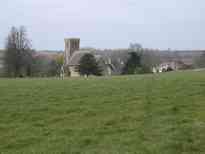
[142, 114]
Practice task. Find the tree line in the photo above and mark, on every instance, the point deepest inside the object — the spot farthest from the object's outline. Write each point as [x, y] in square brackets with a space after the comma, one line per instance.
[20, 59]
[21, 62]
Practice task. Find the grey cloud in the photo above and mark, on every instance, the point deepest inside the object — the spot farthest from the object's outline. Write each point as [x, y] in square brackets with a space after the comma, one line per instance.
[107, 23]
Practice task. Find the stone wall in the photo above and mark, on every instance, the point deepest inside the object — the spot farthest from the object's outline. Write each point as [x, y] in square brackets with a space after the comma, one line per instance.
[73, 72]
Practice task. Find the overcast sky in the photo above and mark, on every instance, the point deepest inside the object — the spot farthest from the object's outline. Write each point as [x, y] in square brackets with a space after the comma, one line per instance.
[176, 24]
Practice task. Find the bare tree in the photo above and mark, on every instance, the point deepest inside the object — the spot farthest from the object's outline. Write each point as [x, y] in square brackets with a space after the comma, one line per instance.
[199, 61]
[136, 47]
[18, 59]
[150, 59]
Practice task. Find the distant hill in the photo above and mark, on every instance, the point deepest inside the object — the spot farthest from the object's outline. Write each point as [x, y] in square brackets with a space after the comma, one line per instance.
[186, 56]
[119, 56]
[48, 54]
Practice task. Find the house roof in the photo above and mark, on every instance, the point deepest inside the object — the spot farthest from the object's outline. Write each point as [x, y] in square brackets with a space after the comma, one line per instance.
[47, 54]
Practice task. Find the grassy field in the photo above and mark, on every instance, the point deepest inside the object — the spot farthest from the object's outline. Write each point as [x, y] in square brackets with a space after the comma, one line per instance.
[145, 114]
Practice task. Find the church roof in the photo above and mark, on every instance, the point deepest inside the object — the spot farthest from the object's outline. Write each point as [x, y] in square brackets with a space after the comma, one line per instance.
[74, 61]
[113, 59]
[77, 55]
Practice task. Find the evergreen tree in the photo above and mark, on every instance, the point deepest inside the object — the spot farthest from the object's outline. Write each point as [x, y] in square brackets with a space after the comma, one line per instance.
[89, 66]
[133, 64]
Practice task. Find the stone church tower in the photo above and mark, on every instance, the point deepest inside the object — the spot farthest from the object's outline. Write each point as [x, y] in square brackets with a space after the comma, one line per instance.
[71, 45]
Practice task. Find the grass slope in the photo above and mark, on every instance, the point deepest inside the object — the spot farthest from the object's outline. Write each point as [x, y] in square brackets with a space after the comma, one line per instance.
[151, 114]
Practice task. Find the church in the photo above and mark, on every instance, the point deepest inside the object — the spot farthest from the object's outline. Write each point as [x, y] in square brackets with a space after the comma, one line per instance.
[111, 63]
